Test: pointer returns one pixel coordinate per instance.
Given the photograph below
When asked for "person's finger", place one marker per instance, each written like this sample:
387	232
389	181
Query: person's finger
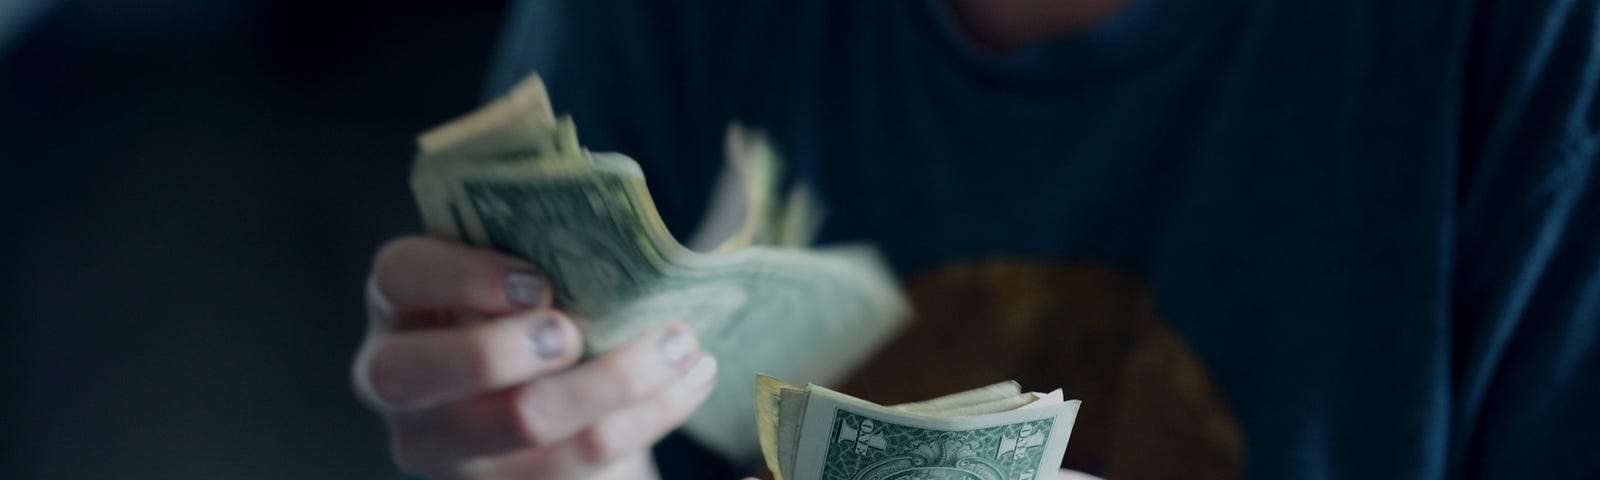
421	274
550	408
622	435
420	369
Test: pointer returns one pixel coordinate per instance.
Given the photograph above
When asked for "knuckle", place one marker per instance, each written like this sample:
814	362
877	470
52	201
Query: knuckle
394	251
529	421
390	258
598	445
387	386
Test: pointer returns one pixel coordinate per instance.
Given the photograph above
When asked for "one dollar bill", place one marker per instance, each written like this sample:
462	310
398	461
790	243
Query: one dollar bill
992	433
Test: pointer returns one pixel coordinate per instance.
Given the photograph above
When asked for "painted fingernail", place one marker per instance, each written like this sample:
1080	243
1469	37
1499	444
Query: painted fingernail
526	289
548	341
702	373
675	345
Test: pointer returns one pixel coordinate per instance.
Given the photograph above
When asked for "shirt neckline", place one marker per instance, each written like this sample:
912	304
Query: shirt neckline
1141	33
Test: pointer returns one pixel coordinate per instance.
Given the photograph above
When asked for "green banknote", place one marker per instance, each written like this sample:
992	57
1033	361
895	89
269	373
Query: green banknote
513	177
991	433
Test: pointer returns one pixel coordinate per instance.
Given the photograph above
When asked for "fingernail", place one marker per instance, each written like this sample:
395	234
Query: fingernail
548	341
526	289
675	345
702	373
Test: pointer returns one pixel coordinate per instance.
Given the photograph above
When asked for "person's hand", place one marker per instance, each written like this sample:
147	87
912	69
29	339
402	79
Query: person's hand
476	374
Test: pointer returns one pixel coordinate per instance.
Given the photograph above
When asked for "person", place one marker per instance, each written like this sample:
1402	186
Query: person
1351	239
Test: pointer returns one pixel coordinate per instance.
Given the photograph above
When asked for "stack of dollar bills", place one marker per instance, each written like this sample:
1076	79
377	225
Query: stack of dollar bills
995	432
512	176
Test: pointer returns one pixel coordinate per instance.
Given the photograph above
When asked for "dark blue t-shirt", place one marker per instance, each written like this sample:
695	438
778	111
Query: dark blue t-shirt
1373	224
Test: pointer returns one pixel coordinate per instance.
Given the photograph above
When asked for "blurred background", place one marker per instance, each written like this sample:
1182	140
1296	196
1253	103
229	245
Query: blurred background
195	189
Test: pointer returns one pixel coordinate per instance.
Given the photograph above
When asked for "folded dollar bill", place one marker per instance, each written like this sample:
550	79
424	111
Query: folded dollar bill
513	177
995	432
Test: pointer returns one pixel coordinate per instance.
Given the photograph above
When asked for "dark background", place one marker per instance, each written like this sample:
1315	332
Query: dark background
193	190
